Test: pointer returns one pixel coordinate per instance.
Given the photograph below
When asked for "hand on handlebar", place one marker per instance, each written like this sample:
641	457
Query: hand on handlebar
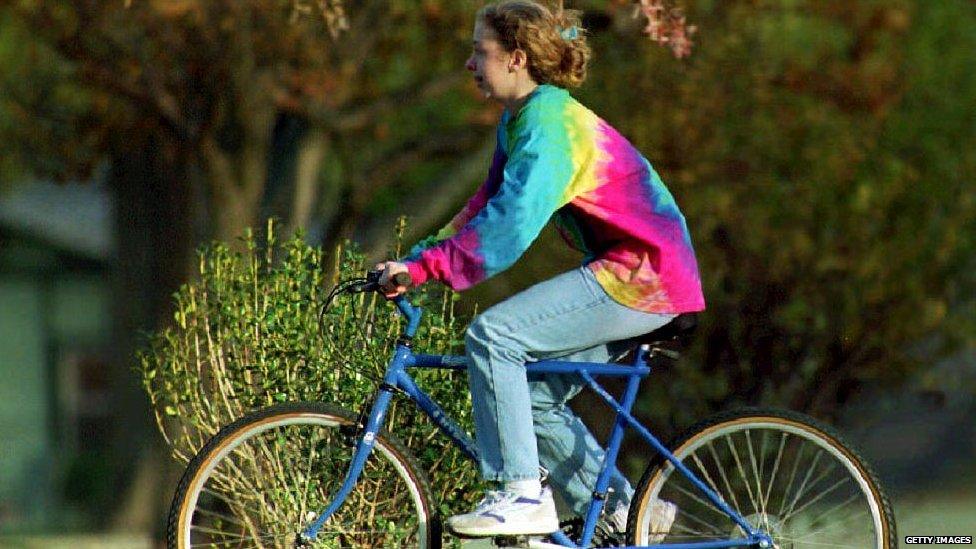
394	279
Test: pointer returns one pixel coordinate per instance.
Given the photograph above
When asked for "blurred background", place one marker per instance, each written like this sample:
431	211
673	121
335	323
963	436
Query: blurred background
823	152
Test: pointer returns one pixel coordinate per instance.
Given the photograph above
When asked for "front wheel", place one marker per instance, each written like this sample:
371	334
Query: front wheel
785	473
264	478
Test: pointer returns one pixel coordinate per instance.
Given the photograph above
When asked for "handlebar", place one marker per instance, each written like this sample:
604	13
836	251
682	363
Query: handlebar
371	283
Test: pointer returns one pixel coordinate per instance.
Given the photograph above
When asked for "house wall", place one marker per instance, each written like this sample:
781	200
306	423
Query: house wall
54	327
24	411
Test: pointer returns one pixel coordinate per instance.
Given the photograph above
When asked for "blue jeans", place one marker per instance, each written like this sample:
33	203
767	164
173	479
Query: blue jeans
522	421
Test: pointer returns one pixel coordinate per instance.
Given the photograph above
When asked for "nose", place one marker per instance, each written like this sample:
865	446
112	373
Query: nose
469	64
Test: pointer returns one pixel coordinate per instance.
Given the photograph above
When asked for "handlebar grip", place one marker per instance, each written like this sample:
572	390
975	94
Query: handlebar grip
402	279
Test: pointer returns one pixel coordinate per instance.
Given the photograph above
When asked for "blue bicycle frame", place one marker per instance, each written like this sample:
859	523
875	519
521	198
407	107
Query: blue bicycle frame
397	379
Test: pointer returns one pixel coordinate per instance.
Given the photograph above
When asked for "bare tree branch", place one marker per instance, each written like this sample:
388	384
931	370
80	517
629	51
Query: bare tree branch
387	168
427	206
360	117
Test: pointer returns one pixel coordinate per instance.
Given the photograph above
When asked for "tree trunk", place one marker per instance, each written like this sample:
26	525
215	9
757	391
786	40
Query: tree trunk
235	191
155	240
308	166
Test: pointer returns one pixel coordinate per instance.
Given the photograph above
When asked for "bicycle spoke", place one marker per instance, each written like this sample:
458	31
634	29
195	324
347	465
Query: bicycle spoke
762	465
779	458
742	472
725	478
824	544
833	524
308	473
803	484
708	477
300	478
234	538
698	520
220	516
702	501
229	502
237	481
761	508
816	499
840	506
246	523
688	533
789	485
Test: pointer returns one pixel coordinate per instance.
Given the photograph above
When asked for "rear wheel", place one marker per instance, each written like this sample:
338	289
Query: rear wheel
785	473
263	479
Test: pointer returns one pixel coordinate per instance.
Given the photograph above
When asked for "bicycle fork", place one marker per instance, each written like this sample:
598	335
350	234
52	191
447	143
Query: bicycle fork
364	446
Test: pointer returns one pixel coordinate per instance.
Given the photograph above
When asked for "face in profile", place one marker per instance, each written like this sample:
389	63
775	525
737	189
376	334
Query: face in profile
489	63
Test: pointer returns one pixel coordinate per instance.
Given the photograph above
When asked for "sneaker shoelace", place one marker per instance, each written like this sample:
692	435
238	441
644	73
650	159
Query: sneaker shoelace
491	497
499	501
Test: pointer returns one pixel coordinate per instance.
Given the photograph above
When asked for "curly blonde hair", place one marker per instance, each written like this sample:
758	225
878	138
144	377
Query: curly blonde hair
554	42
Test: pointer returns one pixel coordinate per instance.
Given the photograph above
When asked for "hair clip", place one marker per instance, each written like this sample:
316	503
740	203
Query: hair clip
572	33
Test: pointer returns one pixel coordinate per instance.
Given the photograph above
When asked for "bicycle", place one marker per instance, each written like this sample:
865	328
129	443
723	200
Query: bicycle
315	475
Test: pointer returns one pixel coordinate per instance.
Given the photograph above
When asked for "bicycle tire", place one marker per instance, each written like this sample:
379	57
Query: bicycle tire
757	479
264	477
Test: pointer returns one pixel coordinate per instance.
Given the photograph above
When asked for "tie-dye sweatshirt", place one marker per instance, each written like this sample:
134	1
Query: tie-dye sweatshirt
556	158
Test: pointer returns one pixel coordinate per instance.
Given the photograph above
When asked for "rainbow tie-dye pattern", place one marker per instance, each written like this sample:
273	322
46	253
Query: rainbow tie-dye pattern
558	159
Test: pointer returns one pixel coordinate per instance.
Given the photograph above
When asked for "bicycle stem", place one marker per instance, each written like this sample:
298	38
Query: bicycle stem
411	312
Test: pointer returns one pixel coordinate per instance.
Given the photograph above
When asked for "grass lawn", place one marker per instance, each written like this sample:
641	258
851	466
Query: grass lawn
949	513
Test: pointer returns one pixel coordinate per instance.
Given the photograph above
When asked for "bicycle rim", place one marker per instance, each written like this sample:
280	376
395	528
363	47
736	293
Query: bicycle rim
266	477
786	475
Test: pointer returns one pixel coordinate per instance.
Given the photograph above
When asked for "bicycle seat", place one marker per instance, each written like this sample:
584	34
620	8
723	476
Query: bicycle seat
671	337
679	331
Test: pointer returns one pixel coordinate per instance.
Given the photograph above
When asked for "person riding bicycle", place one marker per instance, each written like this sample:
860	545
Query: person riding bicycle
554	159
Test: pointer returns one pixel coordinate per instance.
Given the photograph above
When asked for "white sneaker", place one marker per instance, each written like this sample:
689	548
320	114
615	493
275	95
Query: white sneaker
662	517
618	519
503	513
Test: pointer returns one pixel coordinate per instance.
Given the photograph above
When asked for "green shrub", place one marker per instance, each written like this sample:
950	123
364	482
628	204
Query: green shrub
246	335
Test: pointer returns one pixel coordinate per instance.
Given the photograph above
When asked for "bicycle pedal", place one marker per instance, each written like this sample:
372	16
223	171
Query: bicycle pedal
508	542
524	542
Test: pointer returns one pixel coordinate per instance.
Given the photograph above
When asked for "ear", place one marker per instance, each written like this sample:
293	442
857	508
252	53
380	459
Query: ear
518	61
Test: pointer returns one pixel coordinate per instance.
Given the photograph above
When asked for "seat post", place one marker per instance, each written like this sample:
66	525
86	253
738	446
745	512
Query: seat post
626	406
641	355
